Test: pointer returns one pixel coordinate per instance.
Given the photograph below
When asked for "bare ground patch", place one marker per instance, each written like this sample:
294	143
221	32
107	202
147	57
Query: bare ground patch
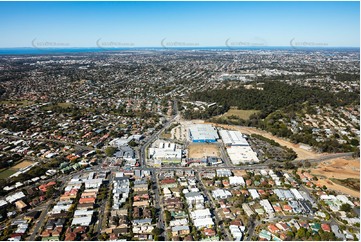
22	164
203	150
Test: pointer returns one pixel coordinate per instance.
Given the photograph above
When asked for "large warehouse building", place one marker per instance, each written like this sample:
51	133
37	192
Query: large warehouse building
203	133
165	153
238	148
233	138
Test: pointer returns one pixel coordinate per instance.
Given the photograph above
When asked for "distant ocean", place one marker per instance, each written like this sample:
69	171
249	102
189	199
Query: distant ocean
59	51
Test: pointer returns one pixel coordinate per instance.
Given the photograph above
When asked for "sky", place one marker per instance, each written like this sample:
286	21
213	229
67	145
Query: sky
178	24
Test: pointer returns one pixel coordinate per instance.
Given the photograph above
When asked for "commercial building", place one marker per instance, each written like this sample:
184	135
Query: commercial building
203	133
242	154
238	148
233	138
166	152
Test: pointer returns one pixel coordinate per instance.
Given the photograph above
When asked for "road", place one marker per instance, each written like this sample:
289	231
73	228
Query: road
250	227
41	221
151	139
328	157
159	206
224	154
214	208
49	140
102	207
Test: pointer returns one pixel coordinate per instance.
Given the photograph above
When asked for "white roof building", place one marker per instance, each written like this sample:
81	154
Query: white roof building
201	214
203	132
2	203
82	221
221	194
297	194
203	222
194	198
15	197
224	172
254	193
233	138
178	222
267	206
344	199
236	180
165	151
93	183
83	213
242	154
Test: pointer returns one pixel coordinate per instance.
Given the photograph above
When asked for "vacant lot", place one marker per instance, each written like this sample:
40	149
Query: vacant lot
22	164
243	114
203	150
349	182
336	187
339	169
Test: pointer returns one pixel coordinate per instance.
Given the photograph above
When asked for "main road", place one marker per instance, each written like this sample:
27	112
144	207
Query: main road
151	139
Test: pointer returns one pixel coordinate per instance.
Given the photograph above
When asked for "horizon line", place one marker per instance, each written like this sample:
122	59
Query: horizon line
175	47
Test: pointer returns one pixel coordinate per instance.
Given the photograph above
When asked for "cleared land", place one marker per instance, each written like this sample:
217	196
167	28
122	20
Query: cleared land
243	114
336	187
302	154
22	164
338	169
203	150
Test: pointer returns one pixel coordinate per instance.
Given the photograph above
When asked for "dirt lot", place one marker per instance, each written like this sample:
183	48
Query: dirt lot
301	153
202	150
336	187
339	169
22	164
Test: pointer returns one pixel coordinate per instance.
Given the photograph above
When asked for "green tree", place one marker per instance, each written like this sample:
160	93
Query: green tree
109	151
346	207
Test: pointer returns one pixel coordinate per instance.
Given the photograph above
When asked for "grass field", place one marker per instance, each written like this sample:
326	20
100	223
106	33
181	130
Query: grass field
65	105
6	173
243	114
61	105
202	150
17	102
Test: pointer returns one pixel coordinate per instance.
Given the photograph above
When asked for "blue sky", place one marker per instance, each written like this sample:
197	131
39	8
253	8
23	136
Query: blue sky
82	24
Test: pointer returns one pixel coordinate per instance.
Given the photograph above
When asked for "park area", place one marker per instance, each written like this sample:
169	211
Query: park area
5	173
200	150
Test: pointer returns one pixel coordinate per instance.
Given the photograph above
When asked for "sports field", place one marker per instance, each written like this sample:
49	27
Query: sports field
8	172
